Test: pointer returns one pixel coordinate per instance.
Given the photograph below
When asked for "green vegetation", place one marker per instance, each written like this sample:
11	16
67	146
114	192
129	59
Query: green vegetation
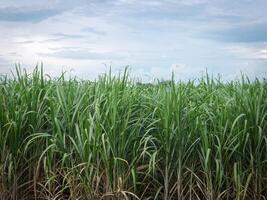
115	139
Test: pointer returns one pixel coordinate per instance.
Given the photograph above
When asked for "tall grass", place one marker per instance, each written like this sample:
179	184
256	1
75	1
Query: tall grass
116	139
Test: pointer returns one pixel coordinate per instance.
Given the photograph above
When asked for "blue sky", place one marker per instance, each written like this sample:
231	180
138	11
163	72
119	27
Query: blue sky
153	37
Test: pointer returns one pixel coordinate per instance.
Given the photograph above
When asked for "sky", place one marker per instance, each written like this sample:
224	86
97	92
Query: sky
155	38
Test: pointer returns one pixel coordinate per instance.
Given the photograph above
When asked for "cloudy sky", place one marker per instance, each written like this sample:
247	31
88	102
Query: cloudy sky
153	37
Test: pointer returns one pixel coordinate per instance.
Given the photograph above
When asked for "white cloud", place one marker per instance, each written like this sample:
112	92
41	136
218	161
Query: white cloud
263	54
153	37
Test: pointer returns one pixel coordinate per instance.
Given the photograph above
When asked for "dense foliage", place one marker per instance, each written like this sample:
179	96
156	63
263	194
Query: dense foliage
116	139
